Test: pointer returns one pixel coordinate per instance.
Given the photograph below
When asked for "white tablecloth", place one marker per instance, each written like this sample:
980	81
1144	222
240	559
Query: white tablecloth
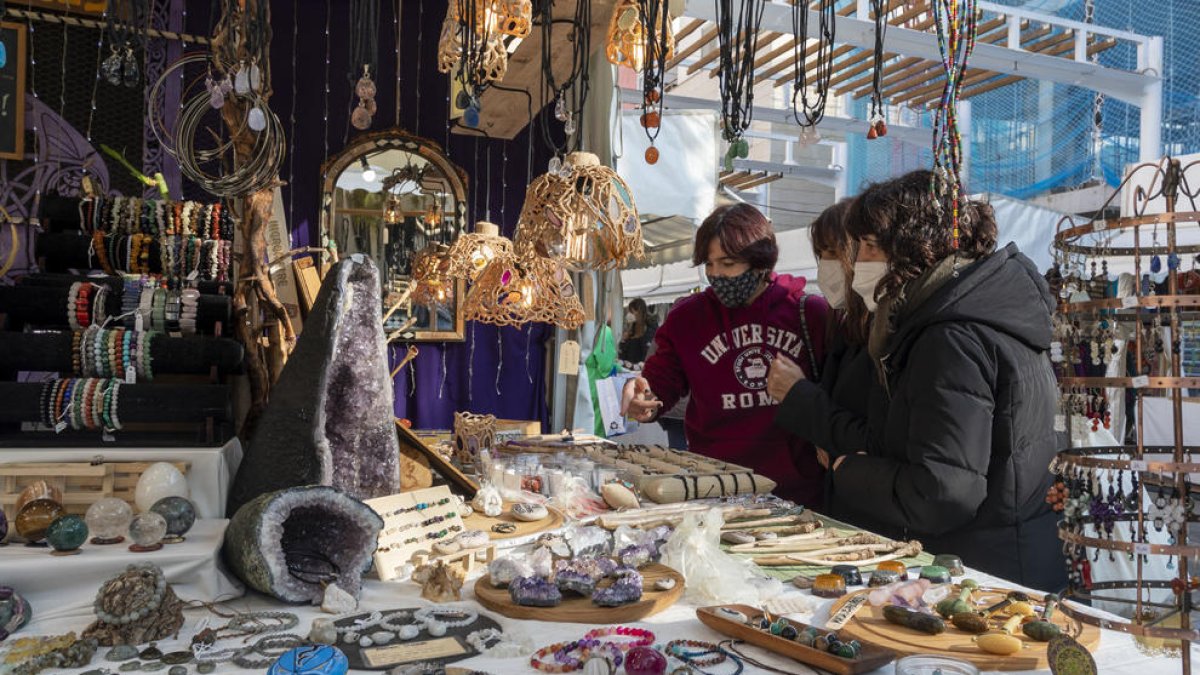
1116	654
61	589
209	476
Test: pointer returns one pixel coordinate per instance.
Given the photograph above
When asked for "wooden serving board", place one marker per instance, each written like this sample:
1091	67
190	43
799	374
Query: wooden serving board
870	658
478	521
868	625
577	609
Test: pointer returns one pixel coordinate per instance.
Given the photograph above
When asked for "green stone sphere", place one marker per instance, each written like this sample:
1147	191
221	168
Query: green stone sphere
179	513
67	533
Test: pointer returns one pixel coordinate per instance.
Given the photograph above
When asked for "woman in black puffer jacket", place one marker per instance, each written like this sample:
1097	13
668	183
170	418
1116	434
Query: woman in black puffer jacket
961	423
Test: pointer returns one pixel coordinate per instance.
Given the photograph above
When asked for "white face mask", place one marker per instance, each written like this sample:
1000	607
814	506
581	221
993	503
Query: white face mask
832	280
866	278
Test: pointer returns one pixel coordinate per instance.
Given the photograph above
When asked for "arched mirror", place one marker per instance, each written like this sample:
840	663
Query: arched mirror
390	195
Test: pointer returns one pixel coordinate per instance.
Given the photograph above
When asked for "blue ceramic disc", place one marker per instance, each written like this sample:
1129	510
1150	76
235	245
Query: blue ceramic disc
311	660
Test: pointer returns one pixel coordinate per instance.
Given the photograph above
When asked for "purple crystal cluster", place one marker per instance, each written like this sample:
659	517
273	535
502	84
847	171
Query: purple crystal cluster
534	592
579	583
625	590
636	555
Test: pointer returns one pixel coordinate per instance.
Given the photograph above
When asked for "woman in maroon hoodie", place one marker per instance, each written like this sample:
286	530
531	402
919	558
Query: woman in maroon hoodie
718	346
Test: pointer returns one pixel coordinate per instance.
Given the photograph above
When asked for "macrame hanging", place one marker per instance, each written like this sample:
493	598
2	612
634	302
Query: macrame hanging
514	290
582	216
807	111
878	127
364	59
738	23
957	24
471	253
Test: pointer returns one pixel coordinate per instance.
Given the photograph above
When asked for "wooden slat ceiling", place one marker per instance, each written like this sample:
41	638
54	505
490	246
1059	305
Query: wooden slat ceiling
906	80
745	180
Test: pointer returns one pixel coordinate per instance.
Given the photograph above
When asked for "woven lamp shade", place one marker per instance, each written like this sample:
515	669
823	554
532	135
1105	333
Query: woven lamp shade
626	43
514	290
471	253
431	283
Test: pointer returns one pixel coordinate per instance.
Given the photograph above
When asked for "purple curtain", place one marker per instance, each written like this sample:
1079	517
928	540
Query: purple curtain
498	371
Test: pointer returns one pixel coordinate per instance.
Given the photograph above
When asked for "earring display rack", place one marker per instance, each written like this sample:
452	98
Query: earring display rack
412	522
1130	499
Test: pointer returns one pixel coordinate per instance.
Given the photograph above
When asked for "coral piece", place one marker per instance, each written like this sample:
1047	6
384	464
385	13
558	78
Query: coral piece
488	500
502	571
330	419
290	543
534	592
440	582
575	582
15	612
135	607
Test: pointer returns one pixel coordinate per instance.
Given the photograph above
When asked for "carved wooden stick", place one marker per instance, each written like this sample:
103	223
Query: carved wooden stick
835	556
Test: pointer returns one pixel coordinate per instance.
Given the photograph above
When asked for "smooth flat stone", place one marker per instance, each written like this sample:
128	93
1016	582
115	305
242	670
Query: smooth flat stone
151	653
206	668
153	666
665	584
529	512
95	671
177	670
130	666
121	653
176	658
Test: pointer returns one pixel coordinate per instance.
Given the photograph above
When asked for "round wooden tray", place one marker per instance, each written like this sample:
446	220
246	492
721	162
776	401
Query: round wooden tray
868	625
478	521
576	609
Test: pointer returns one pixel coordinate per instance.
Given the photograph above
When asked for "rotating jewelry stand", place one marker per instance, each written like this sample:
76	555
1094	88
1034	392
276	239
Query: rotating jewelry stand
1093	504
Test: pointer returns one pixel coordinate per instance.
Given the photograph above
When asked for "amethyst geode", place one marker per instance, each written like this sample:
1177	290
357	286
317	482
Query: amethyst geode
625	590
330	420
570	581
289	544
635	555
534	592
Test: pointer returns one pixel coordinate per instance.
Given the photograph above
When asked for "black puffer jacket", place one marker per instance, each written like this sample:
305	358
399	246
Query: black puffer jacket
962	432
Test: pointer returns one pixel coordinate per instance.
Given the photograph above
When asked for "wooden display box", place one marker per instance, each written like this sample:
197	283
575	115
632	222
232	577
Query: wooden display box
524	427
81	483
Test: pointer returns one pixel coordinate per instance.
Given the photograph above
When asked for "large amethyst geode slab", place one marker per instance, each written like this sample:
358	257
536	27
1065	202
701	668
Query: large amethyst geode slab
330	420
534	592
290	543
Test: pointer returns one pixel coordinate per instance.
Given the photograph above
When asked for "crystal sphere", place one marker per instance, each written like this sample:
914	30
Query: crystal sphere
147	530
160	480
645	661
108	519
35	518
67	533
179	513
37	490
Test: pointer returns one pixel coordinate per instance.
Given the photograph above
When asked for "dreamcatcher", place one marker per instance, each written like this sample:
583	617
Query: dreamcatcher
809	112
737	33
957	24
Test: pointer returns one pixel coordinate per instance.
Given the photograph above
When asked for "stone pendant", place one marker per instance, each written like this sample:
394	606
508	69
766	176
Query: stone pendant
111	68
132	74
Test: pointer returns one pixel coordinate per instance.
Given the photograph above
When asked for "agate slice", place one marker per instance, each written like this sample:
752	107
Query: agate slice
330	420
291	543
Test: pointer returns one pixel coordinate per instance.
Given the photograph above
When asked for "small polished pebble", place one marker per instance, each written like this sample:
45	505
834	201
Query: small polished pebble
151	653
176	658
130	666
206	668
664	584
382	637
121	653
153	666
177	670
95	671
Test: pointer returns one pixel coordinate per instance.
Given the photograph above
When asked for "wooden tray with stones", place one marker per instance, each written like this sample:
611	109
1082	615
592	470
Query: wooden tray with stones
478	521
578	609
381	655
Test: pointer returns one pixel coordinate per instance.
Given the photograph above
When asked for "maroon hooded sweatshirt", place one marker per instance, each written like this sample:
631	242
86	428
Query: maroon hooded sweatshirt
721	356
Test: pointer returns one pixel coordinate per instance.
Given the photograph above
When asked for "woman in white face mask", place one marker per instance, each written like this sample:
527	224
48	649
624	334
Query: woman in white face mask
831	414
638	334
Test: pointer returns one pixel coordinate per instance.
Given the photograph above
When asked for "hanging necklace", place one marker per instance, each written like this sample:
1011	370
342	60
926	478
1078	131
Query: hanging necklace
738	37
569	95
878	125
956	22
364	56
810	113
656	29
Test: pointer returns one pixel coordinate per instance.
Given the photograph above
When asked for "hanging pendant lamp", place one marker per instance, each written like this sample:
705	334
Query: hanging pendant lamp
626	43
583	216
432	286
471	253
514	290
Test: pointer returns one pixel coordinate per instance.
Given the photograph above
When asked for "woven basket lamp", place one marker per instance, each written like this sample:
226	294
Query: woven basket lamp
493	20
432	285
515	290
471	253
626	45
583	215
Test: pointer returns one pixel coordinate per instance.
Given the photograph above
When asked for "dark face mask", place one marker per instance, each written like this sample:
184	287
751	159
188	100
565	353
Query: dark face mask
736	291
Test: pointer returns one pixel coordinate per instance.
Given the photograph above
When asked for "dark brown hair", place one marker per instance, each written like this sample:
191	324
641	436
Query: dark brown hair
828	233
744	233
913	228
638	305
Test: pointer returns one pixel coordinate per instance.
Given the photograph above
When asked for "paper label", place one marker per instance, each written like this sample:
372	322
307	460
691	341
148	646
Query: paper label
193	274
138	324
1099	226
107	437
1141	548
1141	381
131	376
568	358
60	427
1138	465
1129	301
407	652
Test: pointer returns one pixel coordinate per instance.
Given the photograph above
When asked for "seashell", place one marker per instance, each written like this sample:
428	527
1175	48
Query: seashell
665	584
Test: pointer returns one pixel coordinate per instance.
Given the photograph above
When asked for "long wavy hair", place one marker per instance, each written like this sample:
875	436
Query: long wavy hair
829	236
910	227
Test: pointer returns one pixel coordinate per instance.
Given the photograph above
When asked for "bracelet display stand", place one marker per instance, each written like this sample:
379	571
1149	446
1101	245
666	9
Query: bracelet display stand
46	306
406	527
51	352
1128	500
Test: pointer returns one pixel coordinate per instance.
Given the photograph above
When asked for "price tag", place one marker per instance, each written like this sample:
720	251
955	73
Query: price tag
1139	465
1129	301
138	323
1099	226
1141	548
60	427
193	274
131	376
568	358
1141	381
107	437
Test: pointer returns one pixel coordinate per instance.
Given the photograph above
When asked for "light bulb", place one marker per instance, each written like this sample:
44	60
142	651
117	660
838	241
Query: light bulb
369	175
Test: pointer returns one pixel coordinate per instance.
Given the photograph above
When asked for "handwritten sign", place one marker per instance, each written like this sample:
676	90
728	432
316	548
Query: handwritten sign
12	91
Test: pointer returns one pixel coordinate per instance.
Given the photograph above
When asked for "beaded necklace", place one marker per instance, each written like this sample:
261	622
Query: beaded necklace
957	25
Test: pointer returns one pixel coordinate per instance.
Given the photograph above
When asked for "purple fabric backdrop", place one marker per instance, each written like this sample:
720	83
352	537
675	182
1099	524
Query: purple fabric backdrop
495	371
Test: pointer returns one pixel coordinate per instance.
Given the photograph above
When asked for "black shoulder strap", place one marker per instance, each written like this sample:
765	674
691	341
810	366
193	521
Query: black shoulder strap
814	371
